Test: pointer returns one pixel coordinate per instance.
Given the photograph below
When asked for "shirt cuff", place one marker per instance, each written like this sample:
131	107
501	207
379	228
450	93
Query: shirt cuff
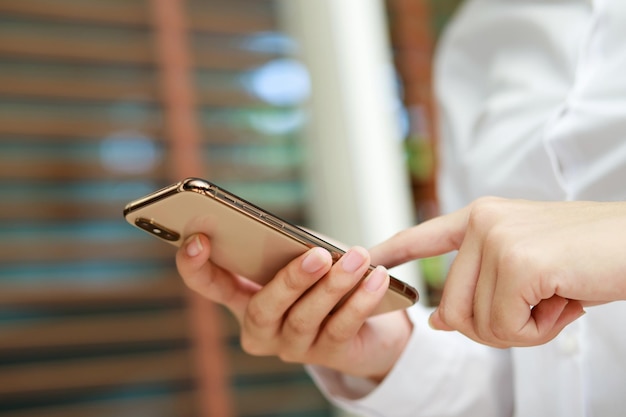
365	396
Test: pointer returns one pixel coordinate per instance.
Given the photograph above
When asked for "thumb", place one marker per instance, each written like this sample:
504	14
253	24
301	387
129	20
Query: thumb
550	316
435	322
211	281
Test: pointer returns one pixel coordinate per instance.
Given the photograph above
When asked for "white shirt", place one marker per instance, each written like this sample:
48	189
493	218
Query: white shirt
532	97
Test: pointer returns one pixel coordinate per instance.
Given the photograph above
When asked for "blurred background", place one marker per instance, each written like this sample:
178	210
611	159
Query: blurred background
102	102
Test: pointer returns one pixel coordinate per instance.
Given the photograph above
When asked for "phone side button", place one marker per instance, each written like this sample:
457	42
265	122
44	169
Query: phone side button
274	222
227	199
251	210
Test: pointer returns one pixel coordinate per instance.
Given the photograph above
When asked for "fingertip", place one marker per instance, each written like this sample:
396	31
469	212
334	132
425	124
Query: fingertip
436	322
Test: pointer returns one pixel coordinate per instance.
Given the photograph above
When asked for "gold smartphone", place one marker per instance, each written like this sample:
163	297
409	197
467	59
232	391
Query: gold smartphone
245	239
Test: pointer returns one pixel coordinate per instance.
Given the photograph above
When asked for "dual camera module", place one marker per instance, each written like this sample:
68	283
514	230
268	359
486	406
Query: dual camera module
157	230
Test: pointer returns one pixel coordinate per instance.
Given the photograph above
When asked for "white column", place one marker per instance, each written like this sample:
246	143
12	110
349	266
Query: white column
356	171
356	166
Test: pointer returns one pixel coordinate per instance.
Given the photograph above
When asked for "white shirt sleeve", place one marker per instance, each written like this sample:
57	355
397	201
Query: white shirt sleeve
472	380
586	137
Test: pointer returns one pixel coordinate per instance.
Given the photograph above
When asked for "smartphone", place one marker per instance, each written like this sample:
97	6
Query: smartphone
245	239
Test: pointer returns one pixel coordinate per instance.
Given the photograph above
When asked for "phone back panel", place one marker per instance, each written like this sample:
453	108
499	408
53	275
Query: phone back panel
239	242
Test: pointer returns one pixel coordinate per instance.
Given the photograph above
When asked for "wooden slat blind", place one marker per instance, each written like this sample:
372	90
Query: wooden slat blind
93	318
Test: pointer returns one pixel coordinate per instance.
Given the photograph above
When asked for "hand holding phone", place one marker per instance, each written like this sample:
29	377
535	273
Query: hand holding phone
245	239
286	311
289	317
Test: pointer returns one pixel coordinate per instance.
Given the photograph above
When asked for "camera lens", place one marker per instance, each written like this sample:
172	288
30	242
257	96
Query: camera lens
156	229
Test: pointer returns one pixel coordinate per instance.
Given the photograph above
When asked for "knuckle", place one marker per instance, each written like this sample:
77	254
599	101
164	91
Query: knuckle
338	287
496	331
484	333
521	264
299	325
450	317
293	281
516	256
336	334
257	316
490	202
498	326
501	332
358	311
483	211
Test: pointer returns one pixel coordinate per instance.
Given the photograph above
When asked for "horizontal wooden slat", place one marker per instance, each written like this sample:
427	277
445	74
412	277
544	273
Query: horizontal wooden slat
230	327
19	210
25	380
288	399
233	17
161	287
111	12
241	364
98	90
226	98
34	128
36	125
66	249
229	60
49	169
133	50
48	125
54	121
223	17
85	169
88	331
180	404
69	87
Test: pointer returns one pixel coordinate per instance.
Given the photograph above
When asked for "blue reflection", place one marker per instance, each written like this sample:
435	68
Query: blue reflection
281	82
129	152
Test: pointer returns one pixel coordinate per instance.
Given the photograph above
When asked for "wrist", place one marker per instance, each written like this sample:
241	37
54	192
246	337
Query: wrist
394	343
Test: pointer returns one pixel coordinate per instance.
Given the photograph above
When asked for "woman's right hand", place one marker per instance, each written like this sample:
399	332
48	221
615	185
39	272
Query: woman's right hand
290	316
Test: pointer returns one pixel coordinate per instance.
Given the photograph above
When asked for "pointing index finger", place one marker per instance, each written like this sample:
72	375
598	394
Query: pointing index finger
433	237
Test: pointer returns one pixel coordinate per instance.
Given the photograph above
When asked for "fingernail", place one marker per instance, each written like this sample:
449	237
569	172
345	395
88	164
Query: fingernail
375	279
194	247
314	260
352	260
